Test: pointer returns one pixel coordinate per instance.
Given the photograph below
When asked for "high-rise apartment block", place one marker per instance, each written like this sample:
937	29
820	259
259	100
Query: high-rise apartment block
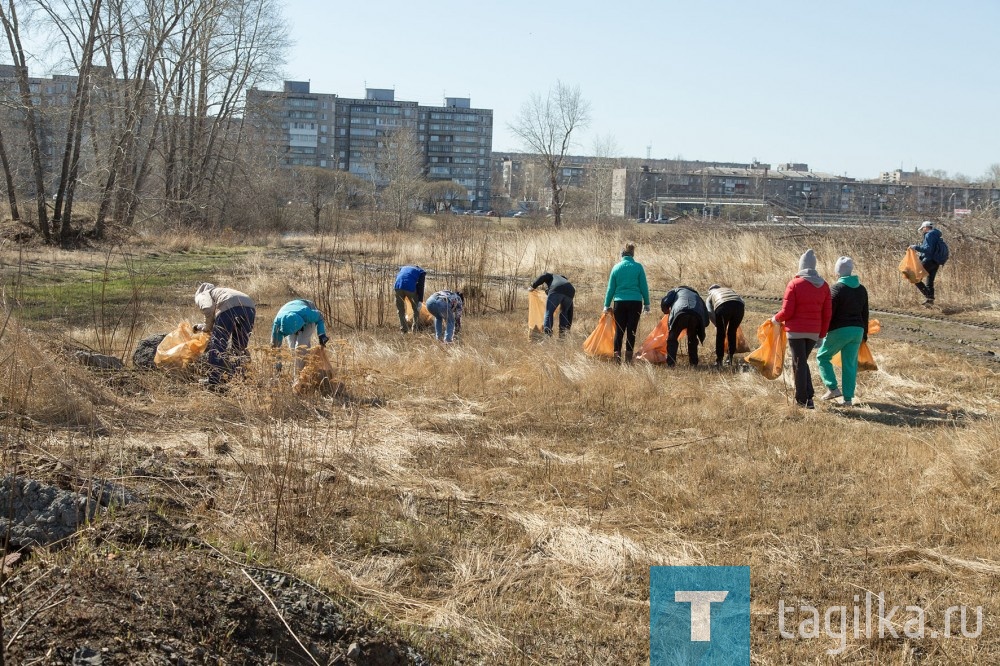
325	130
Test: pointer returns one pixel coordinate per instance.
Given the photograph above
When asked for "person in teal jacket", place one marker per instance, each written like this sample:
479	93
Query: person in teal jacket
629	294
298	320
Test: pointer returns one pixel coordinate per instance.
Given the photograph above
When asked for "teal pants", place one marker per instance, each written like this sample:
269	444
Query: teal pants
847	341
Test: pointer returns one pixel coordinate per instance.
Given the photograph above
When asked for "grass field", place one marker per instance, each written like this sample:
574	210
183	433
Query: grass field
500	501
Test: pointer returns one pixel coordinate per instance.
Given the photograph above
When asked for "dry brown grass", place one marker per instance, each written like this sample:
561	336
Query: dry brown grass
503	499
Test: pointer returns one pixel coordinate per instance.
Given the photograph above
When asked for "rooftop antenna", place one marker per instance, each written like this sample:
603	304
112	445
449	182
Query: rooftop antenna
649	151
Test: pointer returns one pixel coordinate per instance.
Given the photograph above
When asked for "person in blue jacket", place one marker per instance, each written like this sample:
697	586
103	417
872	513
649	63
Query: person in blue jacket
297	321
933	253
627	298
409	286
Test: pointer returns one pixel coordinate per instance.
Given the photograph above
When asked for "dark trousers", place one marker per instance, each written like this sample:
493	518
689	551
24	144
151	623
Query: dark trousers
801	348
626	321
401	296
684	321
728	317
928	289
565	315
234	324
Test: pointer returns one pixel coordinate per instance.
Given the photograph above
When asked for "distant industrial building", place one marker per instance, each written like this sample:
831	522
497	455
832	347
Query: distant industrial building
324	130
658	193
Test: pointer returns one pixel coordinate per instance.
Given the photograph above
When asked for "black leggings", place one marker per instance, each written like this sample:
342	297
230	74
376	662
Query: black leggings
626	321
728	317
801	348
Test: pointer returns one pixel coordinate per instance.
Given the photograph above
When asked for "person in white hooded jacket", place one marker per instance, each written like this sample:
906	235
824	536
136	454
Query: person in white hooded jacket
229	317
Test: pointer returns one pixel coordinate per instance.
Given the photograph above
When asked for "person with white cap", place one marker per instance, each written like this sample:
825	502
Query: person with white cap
848	329
229	317
805	313
933	253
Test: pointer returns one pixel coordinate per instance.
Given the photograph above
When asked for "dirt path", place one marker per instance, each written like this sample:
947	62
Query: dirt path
969	333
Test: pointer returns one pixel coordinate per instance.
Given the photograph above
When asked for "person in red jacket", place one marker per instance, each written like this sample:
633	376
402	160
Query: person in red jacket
805	313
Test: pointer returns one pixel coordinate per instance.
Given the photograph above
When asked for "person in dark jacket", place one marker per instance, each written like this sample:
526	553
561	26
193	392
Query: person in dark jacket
229	319
560	293
805	314
929	251
848	329
725	310
687	313
409	286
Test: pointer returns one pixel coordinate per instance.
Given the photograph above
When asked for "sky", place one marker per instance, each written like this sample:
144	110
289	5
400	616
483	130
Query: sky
851	87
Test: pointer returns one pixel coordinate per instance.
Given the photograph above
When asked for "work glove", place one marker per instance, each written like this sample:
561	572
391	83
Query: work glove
645	309
323	340
608	309
531	288
775	321
199	328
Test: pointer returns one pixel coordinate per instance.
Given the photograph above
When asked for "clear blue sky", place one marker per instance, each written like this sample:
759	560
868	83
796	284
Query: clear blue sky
853	86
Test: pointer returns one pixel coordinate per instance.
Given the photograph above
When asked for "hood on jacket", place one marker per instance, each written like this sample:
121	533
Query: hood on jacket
807	269
850	281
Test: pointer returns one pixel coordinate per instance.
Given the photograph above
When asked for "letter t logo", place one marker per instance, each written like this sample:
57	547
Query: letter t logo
701	610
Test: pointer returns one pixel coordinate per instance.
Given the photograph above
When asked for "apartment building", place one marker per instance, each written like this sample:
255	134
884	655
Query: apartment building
303	128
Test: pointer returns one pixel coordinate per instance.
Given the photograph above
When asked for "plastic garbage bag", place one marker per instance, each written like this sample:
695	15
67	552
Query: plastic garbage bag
180	347
654	347
602	341
536	311
769	358
866	362
911	267
426	318
316	375
742	346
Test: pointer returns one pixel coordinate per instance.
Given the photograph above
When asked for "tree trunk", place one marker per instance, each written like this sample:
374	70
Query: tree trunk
12	29
9	180
556	204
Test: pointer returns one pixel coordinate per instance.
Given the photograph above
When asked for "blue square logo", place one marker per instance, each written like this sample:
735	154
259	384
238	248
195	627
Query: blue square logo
699	616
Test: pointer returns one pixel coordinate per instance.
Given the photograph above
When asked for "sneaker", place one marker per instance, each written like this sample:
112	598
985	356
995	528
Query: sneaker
929	302
848	402
831	394
809	404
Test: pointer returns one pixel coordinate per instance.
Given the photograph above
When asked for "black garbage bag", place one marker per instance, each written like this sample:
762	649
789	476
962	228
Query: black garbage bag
142	357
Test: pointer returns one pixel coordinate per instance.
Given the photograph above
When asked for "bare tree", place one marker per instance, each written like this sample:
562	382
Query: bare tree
399	170
546	125
605	150
445	193
325	187
12	30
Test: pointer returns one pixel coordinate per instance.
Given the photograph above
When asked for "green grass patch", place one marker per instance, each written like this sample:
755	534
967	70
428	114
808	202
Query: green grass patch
110	287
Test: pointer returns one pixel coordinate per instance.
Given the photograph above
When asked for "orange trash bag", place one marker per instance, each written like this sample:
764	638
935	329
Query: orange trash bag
602	341
911	268
536	311
426	318
769	358
316	375
181	347
654	347
866	362
742	346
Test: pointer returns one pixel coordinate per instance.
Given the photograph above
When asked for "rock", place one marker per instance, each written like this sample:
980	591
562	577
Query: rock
354	651
87	657
99	361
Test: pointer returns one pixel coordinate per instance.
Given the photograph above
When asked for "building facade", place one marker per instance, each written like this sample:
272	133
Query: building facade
646	193
303	128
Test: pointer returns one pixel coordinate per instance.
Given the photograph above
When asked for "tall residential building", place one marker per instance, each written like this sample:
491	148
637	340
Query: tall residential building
324	130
